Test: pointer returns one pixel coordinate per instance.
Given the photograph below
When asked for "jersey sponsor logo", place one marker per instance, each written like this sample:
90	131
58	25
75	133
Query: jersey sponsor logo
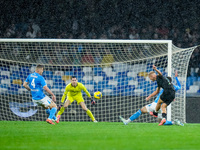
34	76
34	90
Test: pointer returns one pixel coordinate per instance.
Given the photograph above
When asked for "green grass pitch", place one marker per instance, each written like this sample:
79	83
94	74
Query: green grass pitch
97	136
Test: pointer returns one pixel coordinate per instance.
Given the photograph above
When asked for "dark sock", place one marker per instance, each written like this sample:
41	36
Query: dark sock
155	113
164	115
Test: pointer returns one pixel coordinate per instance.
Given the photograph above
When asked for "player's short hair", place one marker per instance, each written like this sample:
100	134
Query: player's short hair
151	72
39	67
73	77
170	79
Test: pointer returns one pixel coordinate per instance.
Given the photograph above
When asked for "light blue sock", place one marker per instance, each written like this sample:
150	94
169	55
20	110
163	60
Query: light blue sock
54	117
48	112
136	115
168	123
52	113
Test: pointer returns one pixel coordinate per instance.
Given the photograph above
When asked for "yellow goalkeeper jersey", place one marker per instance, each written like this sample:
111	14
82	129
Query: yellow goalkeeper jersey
73	91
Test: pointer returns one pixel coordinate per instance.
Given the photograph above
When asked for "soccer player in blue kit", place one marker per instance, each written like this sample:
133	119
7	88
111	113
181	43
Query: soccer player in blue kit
149	108
35	83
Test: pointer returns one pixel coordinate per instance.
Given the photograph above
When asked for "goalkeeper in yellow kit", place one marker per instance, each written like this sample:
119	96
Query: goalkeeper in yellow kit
73	92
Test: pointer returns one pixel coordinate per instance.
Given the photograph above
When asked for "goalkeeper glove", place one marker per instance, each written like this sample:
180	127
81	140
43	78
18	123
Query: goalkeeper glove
59	107
92	101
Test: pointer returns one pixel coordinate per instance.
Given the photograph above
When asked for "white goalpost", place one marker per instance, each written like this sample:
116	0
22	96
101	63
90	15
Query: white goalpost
169	74
117	68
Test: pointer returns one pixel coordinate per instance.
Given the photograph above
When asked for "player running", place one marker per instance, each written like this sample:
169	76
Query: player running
151	107
36	83
73	92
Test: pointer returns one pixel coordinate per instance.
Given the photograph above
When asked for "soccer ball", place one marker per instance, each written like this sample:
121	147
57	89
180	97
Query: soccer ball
97	95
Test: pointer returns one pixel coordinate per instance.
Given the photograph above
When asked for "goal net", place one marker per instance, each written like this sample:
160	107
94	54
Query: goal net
117	68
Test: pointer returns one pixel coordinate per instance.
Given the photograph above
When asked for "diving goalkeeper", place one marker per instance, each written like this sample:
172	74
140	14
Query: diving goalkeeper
73	92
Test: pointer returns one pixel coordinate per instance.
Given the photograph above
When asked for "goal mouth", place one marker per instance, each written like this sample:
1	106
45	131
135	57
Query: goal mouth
117	68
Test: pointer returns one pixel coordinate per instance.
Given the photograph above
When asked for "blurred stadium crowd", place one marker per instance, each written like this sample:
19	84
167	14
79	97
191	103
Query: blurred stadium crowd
103	19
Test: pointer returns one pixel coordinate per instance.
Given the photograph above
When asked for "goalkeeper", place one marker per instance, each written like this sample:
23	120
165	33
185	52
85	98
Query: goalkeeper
73	92
150	107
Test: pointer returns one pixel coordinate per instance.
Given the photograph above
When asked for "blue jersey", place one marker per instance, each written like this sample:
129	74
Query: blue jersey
177	87
36	84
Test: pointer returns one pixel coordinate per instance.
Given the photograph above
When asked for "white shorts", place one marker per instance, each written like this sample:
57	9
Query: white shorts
46	101
152	107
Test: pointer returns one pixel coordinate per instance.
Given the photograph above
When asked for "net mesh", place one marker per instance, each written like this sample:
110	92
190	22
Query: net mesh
116	68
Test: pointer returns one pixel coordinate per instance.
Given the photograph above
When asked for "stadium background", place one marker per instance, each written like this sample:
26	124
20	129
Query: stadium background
115	19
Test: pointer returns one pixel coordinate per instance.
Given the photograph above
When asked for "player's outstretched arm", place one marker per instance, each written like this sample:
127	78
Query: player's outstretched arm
177	81
153	94
155	68
25	84
64	94
51	93
92	101
178	87
86	91
88	94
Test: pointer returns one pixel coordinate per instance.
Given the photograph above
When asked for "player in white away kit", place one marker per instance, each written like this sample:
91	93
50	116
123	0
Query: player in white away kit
151	107
36	83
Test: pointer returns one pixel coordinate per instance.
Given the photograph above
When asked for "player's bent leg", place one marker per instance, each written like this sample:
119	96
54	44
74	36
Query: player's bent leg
47	103
144	110
89	113
45	107
136	115
157	108
48	112
53	110
163	107
158	105
62	109
164	114
67	103
52	104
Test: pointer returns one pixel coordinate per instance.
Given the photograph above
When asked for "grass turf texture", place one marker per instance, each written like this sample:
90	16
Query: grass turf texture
97	136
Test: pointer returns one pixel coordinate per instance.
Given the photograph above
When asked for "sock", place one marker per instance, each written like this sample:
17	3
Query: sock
62	109
164	115
155	113
54	117
136	115
89	113
168	123
48	112
52	112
